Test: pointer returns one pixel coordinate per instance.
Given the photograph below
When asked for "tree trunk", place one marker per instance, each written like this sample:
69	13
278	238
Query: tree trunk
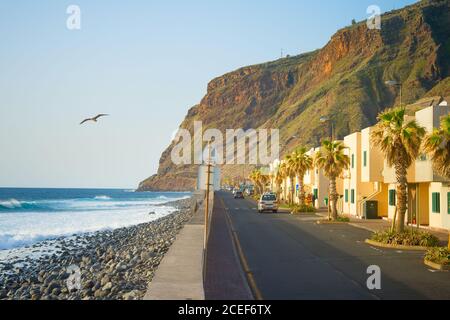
301	192
278	186
402	195
333	198
292	190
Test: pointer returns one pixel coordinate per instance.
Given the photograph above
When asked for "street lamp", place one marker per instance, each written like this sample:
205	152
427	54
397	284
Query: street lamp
326	119
394	83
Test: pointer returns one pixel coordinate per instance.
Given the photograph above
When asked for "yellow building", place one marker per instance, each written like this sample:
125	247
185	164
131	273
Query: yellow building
363	181
427	192
317	184
314	181
370	183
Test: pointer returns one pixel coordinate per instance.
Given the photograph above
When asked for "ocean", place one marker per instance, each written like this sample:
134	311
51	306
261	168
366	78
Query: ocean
28	216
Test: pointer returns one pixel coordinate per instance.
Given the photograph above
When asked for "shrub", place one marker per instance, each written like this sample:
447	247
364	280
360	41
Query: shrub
342	219
410	237
302	209
339	219
438	255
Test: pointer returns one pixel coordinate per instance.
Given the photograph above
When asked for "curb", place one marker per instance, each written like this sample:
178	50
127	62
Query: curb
437	266
330	222
395	246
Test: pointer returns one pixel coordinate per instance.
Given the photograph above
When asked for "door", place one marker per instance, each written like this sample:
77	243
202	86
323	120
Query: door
412	203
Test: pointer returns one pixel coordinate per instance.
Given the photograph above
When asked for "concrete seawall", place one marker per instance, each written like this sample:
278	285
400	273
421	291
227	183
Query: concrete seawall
180	274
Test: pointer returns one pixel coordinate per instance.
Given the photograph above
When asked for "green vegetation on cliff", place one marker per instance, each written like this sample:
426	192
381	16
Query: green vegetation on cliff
344	80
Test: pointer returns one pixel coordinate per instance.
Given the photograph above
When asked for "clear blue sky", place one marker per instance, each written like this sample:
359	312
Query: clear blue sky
145	63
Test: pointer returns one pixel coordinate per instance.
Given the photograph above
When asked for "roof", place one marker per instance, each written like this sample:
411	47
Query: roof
423	103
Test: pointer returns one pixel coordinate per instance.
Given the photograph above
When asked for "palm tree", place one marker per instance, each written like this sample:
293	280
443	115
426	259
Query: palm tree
437	145
301	162
264	179
332	160
290	173
255	177
400	142
279	177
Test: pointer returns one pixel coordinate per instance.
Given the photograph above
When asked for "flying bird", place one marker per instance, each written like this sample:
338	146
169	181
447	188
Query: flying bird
94	119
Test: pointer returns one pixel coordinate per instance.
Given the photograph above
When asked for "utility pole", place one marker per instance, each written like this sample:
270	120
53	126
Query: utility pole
208	184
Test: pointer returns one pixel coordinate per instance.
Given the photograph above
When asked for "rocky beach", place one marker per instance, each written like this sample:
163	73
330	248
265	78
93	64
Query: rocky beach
115	264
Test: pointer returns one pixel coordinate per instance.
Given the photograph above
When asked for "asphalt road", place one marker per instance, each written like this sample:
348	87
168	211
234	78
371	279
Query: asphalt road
291	257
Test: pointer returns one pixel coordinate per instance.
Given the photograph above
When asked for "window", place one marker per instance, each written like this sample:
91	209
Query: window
269	197
365	158
436	202
316	193
353	196
392	197
353	161
346	195
448	202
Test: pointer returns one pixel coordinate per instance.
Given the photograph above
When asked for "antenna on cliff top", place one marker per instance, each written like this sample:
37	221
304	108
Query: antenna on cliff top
281	53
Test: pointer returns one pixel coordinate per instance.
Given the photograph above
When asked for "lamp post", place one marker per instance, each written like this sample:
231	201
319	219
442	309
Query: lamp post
394	83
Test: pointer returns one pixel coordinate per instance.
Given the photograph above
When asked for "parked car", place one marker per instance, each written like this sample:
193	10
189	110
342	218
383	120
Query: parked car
268	202
239	195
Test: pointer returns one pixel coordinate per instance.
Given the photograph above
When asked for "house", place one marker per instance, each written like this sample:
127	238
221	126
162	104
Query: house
370	182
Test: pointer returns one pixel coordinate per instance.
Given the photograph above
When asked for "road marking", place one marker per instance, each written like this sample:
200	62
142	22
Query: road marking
250	278
376	249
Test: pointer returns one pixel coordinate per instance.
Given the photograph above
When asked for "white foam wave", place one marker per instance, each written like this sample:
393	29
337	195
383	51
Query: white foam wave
10	204
22	229
102	198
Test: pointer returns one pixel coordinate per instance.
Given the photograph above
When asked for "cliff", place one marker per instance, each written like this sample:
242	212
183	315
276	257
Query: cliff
344	80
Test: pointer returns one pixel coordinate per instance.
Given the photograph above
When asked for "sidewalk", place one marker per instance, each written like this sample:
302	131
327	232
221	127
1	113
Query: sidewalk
381	224
180	276
224	278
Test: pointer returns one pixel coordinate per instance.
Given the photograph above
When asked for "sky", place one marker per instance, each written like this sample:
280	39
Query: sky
143	62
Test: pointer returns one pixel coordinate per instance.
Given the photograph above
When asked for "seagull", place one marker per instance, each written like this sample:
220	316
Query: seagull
94	119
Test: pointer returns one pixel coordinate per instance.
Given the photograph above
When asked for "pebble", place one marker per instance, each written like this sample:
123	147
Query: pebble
114	264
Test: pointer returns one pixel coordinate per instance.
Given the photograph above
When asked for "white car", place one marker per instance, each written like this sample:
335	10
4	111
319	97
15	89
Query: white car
268	202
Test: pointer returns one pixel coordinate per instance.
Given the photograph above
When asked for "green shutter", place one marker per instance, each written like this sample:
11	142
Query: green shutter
353	195
353	161
316	193
436	202
448	203
346	195
365	158
392	200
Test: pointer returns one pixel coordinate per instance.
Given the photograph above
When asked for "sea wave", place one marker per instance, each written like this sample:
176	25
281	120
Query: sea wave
22	229
16	205
102	198
10	204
